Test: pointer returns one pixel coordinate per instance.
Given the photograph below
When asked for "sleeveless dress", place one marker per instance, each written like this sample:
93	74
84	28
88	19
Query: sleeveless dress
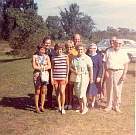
40	60
59	70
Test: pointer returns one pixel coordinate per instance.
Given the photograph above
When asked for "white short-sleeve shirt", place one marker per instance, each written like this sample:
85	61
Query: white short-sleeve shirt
116	59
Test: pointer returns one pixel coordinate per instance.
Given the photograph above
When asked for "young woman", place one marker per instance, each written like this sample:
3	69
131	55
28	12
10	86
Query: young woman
95	88
81	74
60	70
40	62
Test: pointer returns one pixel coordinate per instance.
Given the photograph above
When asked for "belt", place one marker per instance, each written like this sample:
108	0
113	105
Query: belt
114	69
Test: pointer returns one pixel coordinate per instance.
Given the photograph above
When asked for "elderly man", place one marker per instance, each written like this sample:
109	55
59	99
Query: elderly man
76	39
111	44
116	65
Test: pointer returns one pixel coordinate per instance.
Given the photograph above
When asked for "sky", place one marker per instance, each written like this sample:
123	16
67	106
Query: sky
114	13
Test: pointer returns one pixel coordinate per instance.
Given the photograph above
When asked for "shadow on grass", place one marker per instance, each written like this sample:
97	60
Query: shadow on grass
24	103
11	60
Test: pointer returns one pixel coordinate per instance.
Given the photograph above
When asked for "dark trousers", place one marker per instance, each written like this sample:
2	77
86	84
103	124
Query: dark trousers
49	94
49	91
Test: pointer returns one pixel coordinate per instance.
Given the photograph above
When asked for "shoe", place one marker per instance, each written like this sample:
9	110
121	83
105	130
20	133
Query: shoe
77	110
42	110
107	109
37	110
85	111
63	111
118	110
58	110
66	107
69	107
92	105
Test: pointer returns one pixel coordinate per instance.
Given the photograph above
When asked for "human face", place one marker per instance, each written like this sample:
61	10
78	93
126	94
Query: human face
59	51
47	43
117	45
77	39
80	50
113	41
69	48
92	49
42	50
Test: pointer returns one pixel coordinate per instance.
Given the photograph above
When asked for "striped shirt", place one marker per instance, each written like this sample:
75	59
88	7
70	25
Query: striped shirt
59	70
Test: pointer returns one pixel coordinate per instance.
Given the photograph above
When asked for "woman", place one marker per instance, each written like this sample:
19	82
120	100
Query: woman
81	74
60	70
95	88
69	88
40	62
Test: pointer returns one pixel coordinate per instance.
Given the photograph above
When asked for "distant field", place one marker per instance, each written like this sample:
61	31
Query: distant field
17	115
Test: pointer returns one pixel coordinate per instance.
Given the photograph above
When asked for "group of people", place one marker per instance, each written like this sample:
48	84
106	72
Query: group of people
73	67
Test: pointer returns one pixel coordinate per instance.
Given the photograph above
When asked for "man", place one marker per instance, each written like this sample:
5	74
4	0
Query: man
111	44
50	52
116	65
112	41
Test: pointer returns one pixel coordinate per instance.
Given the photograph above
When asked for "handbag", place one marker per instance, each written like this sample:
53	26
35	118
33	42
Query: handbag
44	76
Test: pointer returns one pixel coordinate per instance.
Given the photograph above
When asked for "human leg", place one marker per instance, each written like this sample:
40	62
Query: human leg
109	89
93	101
57	90
43	89
62	94
37	94
70	96
49	91
49	94
66	96
117	90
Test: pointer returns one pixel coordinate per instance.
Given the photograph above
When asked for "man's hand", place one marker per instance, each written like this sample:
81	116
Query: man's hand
123	77
98	79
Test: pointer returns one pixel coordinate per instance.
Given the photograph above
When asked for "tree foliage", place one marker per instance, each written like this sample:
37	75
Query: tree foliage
29	31
9	23
54	26
74	21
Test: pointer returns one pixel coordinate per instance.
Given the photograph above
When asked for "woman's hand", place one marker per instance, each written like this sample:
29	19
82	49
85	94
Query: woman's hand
106	74
66	80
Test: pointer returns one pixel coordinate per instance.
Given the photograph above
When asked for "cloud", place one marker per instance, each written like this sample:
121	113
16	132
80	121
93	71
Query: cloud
103	12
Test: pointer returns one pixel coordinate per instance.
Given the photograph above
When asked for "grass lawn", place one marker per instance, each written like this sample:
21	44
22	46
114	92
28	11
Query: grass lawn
17	116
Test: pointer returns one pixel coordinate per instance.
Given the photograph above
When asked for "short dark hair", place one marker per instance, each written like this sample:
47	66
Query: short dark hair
40	46
46	38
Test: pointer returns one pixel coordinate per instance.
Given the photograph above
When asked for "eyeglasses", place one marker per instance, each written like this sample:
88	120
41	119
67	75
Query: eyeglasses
69	47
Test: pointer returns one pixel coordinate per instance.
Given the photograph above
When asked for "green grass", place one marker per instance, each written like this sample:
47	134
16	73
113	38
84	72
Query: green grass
17	116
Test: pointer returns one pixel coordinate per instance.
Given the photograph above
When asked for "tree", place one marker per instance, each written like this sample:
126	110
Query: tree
74	21
9	23
29	31
54	26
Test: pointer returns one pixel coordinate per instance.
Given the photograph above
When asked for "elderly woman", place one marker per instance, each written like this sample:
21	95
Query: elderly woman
81	74
95	88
